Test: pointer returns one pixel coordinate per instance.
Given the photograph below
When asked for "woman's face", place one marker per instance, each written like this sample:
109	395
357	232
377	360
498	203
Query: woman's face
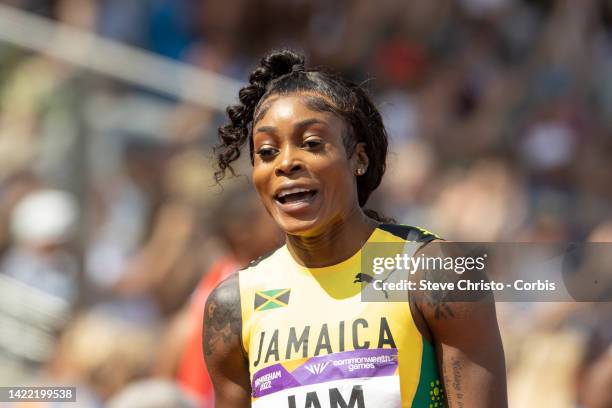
301	169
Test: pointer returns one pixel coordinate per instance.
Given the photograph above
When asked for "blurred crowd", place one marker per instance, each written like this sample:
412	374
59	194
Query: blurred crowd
112	231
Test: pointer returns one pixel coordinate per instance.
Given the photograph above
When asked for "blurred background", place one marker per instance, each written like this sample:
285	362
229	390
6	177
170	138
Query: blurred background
112	231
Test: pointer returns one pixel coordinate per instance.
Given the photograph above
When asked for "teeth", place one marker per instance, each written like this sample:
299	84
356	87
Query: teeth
292	191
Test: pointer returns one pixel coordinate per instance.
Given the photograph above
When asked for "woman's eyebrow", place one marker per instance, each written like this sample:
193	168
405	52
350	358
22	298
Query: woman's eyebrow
307	122
266	129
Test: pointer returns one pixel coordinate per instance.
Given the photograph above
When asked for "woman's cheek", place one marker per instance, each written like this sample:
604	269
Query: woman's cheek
261	185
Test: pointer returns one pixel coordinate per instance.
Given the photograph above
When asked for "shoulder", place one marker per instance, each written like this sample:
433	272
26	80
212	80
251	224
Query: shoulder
409	233
264	265
225	292
222	315
223	303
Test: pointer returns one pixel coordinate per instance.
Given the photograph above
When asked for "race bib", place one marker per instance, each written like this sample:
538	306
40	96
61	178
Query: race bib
350	379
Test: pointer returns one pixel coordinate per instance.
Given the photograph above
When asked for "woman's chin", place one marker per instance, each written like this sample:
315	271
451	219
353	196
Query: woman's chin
299	227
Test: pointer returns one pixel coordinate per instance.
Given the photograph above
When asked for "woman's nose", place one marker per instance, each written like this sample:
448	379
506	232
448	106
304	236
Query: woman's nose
288	163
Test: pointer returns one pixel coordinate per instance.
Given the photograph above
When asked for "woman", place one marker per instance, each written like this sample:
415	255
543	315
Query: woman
291	329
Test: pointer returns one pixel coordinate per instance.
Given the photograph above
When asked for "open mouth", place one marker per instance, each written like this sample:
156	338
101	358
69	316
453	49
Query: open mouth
295	195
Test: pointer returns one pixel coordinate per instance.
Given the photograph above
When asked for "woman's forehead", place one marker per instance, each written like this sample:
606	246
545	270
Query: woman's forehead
312	101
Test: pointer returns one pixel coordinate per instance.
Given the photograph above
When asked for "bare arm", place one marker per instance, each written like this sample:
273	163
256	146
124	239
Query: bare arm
225	359
468	345
471	356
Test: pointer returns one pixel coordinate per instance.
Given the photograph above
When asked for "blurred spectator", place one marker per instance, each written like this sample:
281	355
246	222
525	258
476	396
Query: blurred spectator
594	377
171	26
43	225
594	374
90	354
151	394
490	199
124	214
38	280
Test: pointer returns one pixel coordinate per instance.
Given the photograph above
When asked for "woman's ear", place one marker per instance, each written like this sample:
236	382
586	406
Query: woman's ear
360	159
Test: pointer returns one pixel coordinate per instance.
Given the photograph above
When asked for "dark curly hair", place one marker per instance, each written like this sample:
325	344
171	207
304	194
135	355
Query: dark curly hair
283	72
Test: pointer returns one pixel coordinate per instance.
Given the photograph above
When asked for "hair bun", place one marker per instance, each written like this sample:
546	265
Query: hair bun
276	64
298	68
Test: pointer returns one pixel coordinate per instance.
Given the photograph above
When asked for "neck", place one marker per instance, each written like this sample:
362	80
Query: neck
341	239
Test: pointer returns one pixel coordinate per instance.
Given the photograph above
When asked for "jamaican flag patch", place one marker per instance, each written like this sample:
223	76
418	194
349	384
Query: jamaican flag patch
271	299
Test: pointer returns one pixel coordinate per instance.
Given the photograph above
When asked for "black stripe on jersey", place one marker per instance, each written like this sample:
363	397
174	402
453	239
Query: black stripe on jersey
411	234
261	258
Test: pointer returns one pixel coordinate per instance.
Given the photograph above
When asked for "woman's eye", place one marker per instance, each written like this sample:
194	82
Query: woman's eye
266	152
312	143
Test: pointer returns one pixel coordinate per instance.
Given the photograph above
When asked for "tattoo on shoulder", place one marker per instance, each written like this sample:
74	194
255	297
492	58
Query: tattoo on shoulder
441	308
444	300
222	316
439	301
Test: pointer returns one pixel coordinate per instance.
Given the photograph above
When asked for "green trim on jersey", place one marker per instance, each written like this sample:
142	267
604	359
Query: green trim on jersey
430	392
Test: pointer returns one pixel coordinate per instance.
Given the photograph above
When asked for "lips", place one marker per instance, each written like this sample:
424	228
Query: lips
295	199
295	195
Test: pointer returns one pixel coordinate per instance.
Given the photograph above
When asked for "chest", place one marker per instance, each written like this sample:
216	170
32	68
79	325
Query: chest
294	325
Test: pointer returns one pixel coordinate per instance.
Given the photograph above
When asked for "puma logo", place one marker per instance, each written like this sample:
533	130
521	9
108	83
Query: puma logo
363	278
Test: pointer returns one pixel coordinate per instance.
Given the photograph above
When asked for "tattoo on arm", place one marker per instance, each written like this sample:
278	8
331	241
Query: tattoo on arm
454	381
222	316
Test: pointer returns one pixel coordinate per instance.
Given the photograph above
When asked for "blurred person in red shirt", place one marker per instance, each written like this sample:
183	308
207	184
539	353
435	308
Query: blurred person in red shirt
245	233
